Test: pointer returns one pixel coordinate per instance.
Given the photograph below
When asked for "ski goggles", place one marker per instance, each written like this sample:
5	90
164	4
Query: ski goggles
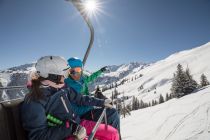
75	71
55	78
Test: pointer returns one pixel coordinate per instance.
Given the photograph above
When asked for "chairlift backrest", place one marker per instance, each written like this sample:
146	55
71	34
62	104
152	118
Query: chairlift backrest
10	122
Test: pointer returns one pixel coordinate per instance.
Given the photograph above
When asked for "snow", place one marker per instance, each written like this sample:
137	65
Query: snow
4	79
157	77
187	118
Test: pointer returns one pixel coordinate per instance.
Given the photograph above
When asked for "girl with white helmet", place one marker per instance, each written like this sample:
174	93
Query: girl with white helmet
46	112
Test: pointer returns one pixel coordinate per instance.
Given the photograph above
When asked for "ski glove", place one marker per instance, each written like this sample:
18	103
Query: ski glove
107	103
104	69
80	132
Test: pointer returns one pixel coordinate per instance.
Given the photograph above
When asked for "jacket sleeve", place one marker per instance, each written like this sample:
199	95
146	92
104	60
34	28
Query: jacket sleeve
92	77
35	123
81	99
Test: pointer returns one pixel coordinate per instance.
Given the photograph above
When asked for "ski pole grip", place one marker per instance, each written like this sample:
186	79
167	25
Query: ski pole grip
54	119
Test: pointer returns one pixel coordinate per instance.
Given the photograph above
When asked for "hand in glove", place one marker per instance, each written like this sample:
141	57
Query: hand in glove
80	132
107	103
104	69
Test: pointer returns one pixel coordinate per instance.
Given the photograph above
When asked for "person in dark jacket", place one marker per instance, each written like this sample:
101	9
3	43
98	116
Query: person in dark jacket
46	112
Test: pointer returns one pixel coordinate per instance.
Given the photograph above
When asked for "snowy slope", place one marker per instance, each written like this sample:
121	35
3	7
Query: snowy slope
157	77
117	73
187	118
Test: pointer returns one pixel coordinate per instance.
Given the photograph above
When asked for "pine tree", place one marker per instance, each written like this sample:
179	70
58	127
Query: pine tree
115	85
112	96
141	87
129	107
110	86
204	82
167	97
119	107
141	104
125	109
115	93
178	82
146	105
133	103
190	84
171	96
138	103
161	99
153	102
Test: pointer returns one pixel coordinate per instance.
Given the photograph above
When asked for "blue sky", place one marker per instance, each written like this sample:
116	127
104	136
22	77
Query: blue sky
131	30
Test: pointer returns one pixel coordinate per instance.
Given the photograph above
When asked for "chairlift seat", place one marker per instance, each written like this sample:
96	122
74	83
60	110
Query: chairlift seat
10	122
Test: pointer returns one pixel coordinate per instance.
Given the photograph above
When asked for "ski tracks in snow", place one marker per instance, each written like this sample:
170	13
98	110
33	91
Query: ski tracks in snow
188	116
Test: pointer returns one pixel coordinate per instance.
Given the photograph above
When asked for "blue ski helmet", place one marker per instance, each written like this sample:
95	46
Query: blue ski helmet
74	62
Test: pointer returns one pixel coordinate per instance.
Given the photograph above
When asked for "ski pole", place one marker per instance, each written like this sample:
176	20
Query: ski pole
97	125
105	119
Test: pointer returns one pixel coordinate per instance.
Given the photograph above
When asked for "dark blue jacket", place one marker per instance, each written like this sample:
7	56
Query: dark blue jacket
33	113
81	86
78	86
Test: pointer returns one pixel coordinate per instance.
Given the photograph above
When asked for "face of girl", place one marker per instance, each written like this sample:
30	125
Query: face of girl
75	73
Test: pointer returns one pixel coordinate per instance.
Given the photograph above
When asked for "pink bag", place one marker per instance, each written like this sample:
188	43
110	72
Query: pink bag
103	132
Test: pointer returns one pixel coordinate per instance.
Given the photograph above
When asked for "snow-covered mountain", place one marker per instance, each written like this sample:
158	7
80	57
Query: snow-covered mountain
186	118
157	78
17	76
6	75
117	73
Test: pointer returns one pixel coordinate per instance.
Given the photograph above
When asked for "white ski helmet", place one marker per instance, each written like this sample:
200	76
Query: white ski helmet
51	65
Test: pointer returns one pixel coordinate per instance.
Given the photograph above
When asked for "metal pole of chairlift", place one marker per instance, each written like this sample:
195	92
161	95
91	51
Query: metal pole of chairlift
13	87
80	7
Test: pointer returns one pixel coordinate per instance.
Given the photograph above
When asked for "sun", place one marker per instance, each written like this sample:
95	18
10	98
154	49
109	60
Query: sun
92	7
